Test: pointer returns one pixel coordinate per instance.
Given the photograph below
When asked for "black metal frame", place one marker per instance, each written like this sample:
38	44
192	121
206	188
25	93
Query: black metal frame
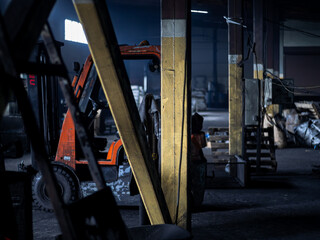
15	48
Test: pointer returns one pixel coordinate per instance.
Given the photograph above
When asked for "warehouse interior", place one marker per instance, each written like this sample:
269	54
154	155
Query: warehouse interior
148	119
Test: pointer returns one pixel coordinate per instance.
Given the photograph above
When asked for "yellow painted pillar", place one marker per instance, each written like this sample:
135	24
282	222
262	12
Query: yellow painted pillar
270	37
272	64
276	43
258	68
175	107
103	45
235	33
281	54
258	39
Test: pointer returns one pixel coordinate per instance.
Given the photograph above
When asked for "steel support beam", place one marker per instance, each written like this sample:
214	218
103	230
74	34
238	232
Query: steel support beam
103	45
16	12
175	107
258	67
276	49
272	55
9	73
276	52
281	54
258	39
276	43
24	21
270	36
10	60
236	105
269	55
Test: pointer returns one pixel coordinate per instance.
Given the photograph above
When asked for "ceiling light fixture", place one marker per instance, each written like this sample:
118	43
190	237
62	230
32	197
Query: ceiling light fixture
199	11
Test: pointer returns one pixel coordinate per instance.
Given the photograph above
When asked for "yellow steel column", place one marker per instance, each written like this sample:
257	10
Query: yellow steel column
258	39
270	37
175	107
258	68
235	79
271	56
281	53
276	43
104	48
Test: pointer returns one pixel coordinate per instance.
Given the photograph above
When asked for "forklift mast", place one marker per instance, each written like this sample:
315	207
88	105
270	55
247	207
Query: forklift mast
45	95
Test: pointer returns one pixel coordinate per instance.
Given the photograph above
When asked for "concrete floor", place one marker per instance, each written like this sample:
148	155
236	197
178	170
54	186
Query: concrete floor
284	205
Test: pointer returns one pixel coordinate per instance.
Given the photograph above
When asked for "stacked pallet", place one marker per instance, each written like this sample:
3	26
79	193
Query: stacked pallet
267	154
311	107
219	141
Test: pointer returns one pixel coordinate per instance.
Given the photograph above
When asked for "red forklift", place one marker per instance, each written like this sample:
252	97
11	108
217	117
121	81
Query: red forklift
69	164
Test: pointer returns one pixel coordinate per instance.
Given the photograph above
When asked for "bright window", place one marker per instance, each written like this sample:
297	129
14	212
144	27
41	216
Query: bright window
73	31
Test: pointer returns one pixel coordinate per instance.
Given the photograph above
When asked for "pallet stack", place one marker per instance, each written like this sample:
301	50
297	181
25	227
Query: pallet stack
219	140
267	156
312	107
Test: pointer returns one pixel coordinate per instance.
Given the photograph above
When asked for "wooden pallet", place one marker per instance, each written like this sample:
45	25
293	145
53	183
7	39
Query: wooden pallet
311	107
219	139
267	155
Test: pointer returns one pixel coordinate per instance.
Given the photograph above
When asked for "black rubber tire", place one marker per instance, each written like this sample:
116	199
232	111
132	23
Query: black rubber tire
68	186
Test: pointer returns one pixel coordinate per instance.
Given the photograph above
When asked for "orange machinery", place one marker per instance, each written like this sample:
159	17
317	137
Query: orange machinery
85	85
69	165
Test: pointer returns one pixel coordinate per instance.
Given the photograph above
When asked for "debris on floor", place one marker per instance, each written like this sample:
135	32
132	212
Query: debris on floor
308	133
297	126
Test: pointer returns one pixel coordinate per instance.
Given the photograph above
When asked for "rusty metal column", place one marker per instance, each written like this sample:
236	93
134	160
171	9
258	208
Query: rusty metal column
235	34
175	107
258	39
276	42
258	66
269	57
272	56
270	36
281	54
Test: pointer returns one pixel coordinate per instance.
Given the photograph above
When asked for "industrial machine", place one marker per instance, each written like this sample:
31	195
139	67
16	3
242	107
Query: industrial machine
69	164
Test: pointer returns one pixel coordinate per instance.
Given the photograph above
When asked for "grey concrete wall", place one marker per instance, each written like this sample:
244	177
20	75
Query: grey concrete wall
293	38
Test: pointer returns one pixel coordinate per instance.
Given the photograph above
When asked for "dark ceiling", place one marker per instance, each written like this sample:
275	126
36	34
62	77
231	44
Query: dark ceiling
308	10
297	9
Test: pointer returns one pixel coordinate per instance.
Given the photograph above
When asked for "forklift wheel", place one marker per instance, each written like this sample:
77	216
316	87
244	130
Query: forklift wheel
68	188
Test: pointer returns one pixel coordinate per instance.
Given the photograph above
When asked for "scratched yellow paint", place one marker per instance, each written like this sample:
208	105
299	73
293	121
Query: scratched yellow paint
235	108
112	89
173	123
